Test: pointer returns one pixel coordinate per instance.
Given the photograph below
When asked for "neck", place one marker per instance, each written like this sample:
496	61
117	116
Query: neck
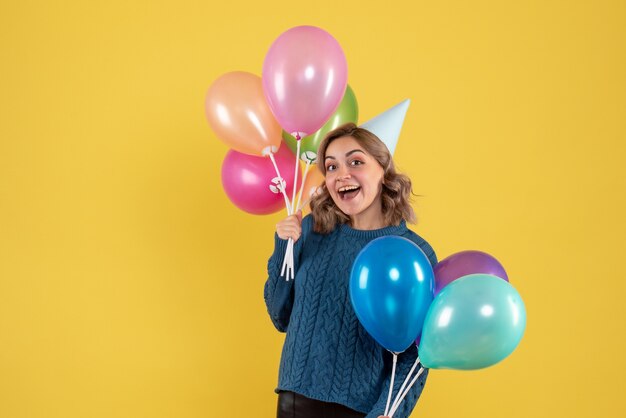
370	219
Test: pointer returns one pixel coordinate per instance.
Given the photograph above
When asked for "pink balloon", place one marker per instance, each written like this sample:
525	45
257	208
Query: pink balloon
304	78
247	178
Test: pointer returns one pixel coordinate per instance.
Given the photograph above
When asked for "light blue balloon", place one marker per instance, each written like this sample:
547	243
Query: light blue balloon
474	322
391	288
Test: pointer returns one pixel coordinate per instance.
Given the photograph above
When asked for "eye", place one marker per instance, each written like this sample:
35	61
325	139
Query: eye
356	162
330	167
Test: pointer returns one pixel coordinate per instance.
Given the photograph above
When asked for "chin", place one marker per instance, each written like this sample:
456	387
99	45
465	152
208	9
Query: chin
347	210
350	211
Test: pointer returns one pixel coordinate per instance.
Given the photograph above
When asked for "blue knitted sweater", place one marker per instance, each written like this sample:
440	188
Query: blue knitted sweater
327	354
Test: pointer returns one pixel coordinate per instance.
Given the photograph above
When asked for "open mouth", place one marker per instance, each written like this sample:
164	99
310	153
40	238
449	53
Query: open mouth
348	192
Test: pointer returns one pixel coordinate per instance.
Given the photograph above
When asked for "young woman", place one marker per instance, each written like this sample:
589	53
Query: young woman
330	366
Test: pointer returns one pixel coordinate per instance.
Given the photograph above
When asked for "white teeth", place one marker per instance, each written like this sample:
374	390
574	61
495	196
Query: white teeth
347	188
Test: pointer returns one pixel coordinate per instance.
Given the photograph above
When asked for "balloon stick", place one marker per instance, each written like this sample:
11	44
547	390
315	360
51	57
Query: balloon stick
282	183
406	380
306	170
393	374
295	174
288	260
393	410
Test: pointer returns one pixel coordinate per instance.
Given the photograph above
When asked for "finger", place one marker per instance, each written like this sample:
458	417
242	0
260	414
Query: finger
287	226
294	233
288	231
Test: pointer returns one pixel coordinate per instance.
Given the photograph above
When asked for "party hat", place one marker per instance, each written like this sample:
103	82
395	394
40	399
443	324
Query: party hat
388	124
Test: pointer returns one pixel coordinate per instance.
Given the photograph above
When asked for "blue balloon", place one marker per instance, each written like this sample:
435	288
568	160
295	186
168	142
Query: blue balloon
474	322
391	288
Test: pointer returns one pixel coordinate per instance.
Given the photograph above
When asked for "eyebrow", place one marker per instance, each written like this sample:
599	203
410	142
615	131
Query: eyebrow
349	153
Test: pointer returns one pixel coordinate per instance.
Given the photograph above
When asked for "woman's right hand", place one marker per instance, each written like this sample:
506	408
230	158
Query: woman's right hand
290	227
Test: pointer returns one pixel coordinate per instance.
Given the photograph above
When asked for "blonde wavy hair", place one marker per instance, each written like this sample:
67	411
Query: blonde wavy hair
396	188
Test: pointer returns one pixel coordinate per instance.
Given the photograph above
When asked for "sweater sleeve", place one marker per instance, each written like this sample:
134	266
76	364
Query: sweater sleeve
278	292
403	366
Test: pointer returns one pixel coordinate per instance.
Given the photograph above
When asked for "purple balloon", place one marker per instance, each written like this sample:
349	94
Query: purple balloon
247	179
463	263
305	73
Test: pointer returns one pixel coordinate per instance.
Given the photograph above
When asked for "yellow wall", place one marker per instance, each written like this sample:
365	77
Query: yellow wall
131	287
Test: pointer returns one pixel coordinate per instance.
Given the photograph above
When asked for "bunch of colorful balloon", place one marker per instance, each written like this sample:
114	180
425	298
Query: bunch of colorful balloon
462	315
303	89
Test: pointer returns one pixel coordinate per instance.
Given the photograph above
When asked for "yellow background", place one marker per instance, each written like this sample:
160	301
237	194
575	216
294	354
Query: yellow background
131	287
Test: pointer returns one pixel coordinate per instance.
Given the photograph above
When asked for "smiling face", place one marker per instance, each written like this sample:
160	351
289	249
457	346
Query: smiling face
354	179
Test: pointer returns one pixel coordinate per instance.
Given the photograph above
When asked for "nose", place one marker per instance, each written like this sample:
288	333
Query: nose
343	174
343	177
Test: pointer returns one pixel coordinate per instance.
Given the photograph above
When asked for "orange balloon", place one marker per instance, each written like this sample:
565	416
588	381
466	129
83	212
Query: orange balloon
238	113
314	179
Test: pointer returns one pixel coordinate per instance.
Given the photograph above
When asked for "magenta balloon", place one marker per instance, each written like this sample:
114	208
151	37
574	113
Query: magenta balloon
463	263
246	180
304	78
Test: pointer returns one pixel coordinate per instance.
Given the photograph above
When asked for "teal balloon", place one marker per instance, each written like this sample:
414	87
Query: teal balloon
474	322
348	111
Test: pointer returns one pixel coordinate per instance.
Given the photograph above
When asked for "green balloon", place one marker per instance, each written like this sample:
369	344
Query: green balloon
348	111
474	322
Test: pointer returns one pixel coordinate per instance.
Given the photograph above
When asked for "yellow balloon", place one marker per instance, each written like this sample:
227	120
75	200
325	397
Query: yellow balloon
314	179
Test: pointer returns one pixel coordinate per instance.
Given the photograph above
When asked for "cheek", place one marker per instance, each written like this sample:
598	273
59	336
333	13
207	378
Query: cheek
330	179
373	181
